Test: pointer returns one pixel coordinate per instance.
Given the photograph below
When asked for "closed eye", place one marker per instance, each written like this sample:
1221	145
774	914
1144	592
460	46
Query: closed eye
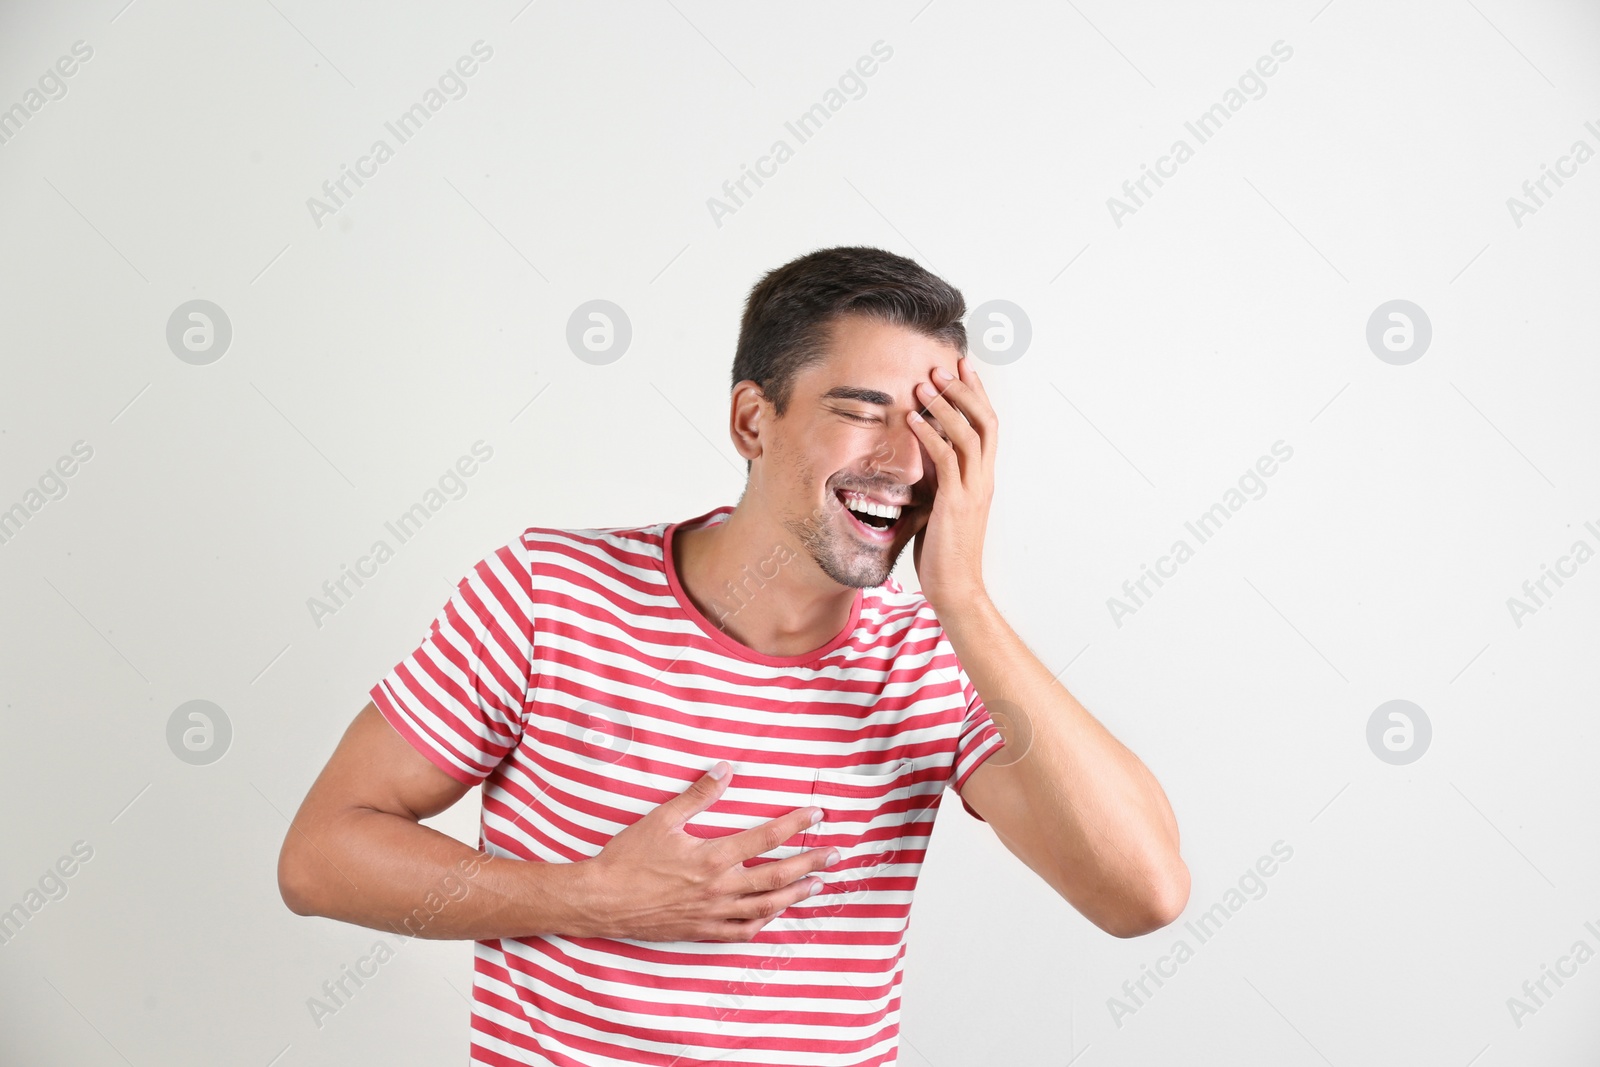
869	419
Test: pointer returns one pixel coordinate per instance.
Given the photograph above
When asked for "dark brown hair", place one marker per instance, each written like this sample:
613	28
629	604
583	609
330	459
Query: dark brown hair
790	311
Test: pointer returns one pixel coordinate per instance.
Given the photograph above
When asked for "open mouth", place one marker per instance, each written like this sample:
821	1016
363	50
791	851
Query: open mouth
874	520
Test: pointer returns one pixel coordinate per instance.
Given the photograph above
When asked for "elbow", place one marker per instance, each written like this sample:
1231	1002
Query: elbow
1176	897
293	886
1161	907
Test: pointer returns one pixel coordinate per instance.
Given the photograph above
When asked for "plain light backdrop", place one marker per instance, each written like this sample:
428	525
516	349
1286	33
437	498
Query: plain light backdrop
373	342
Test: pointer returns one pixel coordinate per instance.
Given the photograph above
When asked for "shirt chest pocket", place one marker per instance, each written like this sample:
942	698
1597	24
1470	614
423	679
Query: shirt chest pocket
865	817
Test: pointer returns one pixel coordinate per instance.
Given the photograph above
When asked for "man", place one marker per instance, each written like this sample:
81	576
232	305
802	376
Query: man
657	714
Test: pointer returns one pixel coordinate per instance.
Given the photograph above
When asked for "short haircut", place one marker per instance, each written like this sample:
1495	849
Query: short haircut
791	310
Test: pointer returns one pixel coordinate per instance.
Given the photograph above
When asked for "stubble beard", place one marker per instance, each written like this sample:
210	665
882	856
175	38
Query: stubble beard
843	558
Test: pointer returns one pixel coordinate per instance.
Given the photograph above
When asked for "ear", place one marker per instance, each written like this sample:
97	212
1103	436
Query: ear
748	412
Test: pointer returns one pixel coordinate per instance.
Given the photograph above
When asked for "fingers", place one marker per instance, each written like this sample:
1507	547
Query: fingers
969	396
777	885
944	406
701	794
946	462
988	422
969	375
736	848
765	906
963	415
780	874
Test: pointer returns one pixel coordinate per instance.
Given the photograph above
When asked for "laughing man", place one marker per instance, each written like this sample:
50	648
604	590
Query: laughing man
711	751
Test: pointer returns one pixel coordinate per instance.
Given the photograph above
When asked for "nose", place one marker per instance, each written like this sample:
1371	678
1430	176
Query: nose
899	455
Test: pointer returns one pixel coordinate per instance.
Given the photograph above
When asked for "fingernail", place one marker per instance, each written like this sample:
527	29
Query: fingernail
719	772
816	816
816	887
943	375
833	856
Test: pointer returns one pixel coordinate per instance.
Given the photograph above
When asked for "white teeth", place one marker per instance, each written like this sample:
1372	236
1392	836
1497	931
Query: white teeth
857	502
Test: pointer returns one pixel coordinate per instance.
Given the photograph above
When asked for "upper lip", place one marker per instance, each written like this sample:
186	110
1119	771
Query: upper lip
876	499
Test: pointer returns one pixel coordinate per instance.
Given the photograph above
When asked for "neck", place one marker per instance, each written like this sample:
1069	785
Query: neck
752	577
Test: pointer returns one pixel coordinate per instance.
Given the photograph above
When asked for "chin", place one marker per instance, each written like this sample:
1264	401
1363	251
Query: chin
856	563
846	555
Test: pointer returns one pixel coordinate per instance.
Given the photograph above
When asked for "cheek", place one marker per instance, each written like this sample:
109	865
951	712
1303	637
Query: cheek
842	454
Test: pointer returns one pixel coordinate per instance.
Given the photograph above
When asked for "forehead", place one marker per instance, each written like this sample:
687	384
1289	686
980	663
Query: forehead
869	354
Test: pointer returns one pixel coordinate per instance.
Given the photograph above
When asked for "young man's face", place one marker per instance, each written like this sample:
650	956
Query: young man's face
844	433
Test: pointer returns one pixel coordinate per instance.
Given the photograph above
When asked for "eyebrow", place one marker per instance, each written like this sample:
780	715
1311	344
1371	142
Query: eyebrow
856	392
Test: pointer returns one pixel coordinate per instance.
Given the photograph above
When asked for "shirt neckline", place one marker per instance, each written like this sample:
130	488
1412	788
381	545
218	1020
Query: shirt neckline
715	633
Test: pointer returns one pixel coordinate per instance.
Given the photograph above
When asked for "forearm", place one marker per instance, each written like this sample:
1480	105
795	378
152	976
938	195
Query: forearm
1096	792
389	873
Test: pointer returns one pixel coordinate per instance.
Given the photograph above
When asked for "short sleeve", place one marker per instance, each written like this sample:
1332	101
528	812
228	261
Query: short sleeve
460	695
979	740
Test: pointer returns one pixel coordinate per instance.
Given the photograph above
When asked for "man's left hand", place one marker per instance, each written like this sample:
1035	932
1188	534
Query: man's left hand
948	551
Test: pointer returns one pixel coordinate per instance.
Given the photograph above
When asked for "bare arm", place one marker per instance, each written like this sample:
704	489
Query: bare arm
1074	803
357	852
1069	799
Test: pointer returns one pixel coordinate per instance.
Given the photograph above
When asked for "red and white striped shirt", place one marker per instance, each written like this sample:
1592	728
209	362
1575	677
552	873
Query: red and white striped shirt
571	675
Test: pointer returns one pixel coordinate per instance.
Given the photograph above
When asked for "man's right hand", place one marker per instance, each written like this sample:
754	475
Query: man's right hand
654	881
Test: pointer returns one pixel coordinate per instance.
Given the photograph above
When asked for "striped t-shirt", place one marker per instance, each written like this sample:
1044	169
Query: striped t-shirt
571	675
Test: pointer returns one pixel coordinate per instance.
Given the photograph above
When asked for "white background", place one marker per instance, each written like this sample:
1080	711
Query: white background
1168	353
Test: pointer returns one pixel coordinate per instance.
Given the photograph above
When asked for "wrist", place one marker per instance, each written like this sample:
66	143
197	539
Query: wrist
579	898
965	599
549	898
970	620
